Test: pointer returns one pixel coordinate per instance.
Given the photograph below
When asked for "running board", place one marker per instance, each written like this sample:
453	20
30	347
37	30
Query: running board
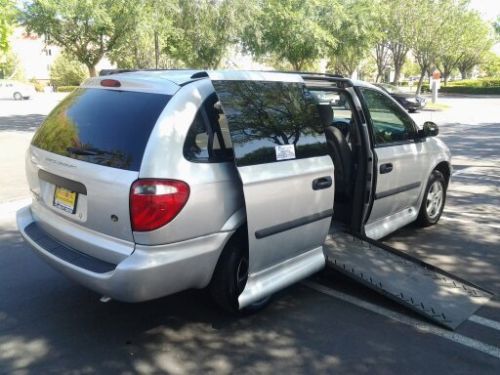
425	289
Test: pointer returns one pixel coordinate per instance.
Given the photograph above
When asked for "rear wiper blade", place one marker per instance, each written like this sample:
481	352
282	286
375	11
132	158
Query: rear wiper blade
81	151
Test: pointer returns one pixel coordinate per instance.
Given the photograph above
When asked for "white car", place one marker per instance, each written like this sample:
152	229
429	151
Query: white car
15	90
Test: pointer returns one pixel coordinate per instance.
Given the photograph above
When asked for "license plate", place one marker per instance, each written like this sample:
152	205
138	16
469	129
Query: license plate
65	199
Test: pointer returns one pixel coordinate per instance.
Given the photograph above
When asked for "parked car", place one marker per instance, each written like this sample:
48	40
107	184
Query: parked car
145	184
15	90
411	102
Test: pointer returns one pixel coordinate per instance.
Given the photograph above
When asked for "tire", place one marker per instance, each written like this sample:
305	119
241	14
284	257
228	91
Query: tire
434	200
17	96
229	280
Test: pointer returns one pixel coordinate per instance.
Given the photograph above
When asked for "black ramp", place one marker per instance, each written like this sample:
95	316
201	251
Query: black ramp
429	291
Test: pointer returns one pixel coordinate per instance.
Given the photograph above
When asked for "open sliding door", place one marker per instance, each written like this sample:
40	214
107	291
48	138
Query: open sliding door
287	176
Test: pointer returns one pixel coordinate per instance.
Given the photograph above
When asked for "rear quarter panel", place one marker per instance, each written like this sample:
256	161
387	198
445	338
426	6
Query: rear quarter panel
215	188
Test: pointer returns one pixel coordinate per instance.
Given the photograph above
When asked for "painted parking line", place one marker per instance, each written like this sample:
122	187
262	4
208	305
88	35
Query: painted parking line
465	221
493	324
418	325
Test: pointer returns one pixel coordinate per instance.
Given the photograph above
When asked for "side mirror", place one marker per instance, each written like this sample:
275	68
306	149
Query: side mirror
429	129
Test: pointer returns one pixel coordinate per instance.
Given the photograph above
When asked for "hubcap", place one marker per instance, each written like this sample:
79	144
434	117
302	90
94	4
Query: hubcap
434	200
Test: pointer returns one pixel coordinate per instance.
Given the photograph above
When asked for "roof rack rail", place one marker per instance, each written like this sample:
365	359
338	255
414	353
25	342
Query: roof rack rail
198	72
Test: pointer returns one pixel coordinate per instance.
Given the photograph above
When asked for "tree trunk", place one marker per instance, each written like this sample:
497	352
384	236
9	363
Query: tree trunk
399	53
297	66
157	50
446	76
92	71
420	81
381	56
463	73
397	73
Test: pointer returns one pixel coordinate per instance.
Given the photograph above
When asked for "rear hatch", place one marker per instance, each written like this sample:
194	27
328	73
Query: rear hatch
82	163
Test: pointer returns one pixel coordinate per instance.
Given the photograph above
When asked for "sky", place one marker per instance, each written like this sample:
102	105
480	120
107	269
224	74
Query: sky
489	9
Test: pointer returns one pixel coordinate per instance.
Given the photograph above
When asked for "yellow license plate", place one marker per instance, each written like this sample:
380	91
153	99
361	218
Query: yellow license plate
65	199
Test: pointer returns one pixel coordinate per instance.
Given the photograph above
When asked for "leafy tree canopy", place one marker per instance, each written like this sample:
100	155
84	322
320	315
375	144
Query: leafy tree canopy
87	29
7	20
203	31
357	34
296	31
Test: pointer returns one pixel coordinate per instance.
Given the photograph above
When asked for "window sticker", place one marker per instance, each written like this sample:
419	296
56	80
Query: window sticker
285	152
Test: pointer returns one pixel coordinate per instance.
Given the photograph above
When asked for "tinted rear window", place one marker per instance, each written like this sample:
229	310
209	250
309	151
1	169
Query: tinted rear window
105	127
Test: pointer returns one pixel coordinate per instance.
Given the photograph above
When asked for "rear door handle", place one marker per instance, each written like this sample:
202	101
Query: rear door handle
322	183
385	168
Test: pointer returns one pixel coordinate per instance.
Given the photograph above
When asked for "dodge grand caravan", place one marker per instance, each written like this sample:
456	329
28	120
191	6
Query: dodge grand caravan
146	183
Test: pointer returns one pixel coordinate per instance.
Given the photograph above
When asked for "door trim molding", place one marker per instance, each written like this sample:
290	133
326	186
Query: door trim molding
269	231
397	190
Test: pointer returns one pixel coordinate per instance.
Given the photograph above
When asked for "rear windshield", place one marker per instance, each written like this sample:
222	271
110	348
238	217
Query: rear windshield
106	127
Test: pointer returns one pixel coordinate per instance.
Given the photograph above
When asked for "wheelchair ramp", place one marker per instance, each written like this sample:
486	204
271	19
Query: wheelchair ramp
431	292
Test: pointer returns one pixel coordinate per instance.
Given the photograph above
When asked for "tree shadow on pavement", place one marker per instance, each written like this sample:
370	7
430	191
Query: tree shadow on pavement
477	142
29	122
49	324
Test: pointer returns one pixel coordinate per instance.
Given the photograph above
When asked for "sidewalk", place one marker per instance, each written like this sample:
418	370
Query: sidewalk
18	121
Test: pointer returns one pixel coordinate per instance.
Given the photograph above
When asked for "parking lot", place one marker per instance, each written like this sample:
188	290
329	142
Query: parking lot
327	324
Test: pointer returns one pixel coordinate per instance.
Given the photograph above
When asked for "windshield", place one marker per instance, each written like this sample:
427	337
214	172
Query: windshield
390	88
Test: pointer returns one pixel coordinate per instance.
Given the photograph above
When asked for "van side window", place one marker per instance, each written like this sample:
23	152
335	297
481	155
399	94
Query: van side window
208	139
389	123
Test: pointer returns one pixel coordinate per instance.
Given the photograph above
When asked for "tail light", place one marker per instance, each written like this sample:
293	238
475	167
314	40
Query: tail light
154	203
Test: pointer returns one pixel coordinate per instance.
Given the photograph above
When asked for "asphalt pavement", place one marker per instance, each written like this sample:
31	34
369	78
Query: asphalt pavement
328	324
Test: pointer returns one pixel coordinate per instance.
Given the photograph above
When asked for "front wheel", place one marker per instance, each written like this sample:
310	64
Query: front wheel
18	96
434	200
229	280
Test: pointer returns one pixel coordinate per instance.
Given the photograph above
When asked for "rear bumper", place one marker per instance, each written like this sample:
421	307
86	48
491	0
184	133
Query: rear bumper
149	272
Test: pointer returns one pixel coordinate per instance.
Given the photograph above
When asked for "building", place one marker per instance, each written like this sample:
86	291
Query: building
36	56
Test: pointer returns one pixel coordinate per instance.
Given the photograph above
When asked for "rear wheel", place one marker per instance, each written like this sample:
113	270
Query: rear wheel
434	200
230	277
18	96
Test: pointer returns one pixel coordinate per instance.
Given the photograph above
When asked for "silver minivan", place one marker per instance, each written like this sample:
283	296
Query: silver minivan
146	183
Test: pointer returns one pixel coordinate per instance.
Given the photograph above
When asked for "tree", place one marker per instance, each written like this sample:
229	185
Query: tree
67	71
297	31
426	41
357	34
203	31
10	66
458	41
7	20
86	29
491	65
452	36
152	32
401	15
478	42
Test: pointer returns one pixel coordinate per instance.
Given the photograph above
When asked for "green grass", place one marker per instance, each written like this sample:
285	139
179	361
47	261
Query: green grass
436	106
480	86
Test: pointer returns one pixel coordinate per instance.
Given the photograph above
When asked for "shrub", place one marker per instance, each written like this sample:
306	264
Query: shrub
480	82
39	86
485	86
66	88
67	72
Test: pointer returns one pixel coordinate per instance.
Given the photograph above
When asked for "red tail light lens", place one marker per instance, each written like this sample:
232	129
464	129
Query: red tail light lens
154	203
